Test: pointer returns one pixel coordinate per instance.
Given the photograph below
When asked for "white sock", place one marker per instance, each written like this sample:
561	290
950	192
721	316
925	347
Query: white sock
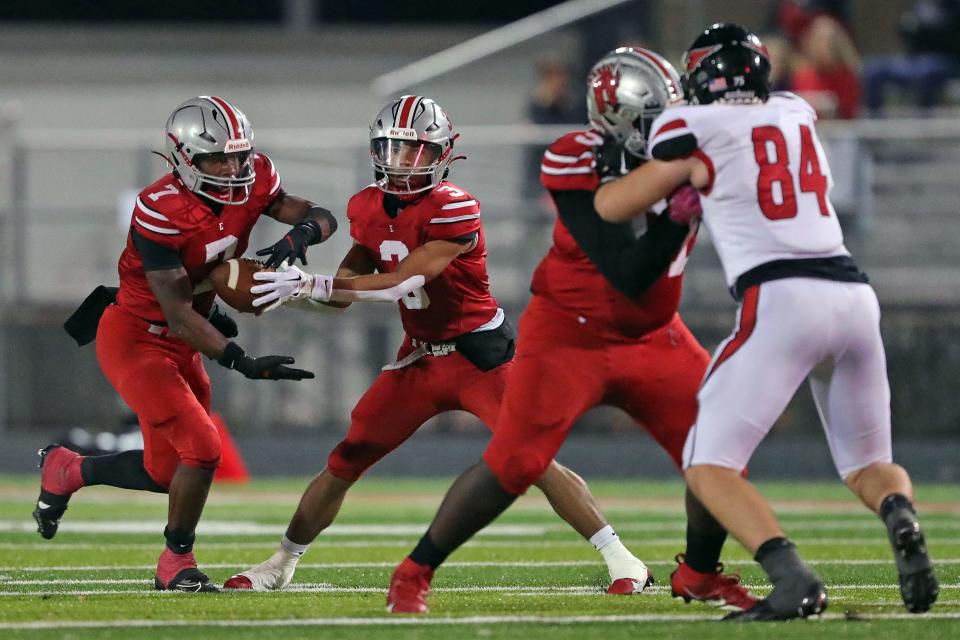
603	538
296	550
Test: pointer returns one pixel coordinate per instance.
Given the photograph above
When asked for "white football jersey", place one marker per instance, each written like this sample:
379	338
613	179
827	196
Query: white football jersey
769	192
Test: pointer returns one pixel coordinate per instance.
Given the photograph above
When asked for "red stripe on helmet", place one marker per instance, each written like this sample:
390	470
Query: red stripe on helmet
232	119
404	111
659	62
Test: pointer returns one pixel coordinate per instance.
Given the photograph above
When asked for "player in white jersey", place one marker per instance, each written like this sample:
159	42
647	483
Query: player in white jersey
806	310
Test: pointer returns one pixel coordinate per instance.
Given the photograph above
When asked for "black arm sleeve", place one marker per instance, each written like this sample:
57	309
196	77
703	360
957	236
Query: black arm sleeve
154	255
629	263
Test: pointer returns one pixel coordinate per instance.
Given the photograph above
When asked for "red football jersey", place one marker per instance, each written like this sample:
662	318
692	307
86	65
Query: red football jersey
568	277
458	300
168	213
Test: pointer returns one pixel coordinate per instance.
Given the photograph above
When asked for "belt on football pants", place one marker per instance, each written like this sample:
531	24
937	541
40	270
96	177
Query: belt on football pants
422	349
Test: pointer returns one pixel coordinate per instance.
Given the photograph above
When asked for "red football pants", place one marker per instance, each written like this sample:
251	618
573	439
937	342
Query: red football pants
399	401
560	371
162	379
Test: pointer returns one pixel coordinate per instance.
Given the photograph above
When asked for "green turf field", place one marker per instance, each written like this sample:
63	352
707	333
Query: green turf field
529	576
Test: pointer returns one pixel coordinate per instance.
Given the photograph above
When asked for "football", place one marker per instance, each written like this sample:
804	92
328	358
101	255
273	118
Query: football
232	281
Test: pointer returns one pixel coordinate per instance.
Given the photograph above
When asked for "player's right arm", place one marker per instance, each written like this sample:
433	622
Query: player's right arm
357	262
173	291
424	264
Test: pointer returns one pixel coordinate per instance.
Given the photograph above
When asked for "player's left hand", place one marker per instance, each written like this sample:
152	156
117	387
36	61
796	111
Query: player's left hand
613	160
684	205
223	323
290	247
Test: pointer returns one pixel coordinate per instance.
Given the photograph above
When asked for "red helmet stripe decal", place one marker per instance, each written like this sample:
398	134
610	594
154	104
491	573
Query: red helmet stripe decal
658	61
413	111
404	111
232	119
694	56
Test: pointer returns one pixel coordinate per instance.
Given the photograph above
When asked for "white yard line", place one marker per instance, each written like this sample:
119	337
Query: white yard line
320	587
532	564
240	528
430	621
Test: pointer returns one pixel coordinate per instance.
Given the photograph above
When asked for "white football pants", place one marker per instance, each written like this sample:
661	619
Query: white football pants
787	330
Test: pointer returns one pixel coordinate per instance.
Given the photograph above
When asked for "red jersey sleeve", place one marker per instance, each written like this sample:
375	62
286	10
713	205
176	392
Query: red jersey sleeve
158	216
454	213
569	164
267	185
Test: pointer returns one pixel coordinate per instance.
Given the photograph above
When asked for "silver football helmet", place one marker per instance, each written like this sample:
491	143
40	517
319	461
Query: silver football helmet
411	142
626	90
210	128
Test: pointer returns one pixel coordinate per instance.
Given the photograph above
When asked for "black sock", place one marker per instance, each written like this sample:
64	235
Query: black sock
179	542
124	470
473	501
779	558
426	552
705	537
895	503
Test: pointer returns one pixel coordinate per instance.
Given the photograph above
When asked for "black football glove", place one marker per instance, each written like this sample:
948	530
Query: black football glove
613	161
293	245
223	323
263	368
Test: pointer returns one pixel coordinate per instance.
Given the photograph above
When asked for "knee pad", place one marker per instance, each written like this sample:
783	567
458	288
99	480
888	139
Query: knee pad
349	460
198	447
516	472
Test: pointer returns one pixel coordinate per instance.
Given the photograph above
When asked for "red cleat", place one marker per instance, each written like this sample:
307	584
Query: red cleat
716	588
60	477
178	572
409	587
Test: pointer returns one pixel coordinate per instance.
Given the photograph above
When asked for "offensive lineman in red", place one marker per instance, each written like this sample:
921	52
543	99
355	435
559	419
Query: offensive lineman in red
150	340
602	328
423	237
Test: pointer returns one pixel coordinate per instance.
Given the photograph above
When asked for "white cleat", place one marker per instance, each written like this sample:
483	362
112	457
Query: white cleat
629	579
272	575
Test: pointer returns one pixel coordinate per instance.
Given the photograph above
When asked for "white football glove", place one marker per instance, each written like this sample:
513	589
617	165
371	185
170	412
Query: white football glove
289	282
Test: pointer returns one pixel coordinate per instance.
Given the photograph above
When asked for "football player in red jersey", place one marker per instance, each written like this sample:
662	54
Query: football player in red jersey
423	237
606	300
150	340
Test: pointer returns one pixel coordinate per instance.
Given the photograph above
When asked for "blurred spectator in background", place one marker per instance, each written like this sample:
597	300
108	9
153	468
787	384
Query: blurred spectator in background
552	102
931	37
792	18
782	62
827	74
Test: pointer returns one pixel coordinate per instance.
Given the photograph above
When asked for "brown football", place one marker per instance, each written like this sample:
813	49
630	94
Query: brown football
232	281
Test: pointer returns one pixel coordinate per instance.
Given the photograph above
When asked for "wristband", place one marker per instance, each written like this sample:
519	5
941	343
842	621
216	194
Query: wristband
232	353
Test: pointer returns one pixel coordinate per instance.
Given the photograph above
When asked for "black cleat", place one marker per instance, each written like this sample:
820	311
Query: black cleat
50	506
815	602
918	583
190	580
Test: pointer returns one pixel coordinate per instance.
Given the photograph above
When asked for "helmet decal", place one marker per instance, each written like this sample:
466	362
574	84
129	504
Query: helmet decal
693	57
605	81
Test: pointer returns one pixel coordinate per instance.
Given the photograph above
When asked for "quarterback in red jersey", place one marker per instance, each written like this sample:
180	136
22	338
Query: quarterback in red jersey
423	237
150	340
606	300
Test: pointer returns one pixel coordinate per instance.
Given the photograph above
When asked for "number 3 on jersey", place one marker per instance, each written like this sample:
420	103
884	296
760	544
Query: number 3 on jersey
775	173
394	249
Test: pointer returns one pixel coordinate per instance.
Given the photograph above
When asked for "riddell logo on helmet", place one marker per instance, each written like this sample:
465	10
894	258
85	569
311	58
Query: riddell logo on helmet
237	145
410	134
